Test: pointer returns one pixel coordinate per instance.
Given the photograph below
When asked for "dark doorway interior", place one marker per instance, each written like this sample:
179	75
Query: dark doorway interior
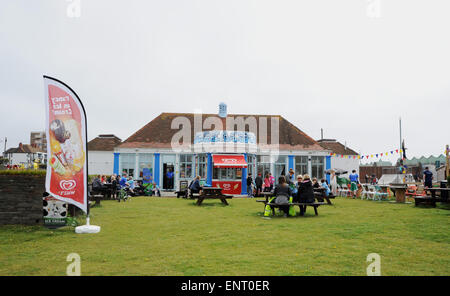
169	176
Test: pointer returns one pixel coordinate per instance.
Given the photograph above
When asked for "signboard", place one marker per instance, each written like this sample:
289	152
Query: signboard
66	177
229	187
55	212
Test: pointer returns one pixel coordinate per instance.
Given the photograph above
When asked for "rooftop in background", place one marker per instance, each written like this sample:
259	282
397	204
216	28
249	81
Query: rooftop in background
25	148
158	132
104	143
336	147
426	160
379	163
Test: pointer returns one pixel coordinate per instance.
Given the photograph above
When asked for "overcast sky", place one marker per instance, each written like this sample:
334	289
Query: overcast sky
344	66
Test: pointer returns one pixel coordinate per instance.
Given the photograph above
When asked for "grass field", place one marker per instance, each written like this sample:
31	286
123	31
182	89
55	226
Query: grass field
169	236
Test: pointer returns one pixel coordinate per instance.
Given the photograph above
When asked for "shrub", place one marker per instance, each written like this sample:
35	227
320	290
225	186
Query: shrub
24	172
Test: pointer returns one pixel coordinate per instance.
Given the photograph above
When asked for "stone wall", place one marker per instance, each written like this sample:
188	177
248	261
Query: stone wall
21	199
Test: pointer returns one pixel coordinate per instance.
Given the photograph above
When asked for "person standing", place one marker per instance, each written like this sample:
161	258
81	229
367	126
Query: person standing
249	185
354	180
258	184
428	178
267	183
333	183
272	181
170	176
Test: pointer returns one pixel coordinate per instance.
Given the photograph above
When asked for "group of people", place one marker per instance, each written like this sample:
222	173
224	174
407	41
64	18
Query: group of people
118	182
254	188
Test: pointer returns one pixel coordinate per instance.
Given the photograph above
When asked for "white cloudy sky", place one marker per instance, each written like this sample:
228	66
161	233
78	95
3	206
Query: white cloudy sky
319	63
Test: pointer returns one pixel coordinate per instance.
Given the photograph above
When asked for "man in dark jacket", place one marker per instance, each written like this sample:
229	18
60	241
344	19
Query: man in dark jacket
249	185
258	183
195	186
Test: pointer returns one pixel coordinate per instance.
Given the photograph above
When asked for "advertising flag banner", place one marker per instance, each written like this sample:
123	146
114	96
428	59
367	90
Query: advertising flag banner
66	177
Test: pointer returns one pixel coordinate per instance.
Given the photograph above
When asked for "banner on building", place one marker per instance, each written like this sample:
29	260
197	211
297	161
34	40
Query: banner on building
66	177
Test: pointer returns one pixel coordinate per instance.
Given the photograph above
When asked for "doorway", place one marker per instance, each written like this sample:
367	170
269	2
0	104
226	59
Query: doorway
168	170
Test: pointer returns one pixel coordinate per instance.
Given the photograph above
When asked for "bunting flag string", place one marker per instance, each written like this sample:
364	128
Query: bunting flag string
376	155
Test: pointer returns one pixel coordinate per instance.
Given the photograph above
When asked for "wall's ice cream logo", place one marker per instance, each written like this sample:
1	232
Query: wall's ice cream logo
229	160
67	184
227	186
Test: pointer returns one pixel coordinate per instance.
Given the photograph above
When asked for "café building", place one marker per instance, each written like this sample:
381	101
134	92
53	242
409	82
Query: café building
220	148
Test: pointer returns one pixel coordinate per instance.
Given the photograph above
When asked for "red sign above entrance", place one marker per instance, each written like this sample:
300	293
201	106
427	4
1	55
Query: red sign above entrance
229	161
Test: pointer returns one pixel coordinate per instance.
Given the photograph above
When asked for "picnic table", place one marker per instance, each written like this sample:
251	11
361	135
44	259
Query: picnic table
319	195
443	197
212	193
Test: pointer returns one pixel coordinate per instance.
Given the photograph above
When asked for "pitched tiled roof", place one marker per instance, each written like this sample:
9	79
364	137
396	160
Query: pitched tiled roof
336	147
24	148
158	132
104	143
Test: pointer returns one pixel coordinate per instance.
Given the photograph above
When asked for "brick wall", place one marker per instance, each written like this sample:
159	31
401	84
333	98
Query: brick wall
21	199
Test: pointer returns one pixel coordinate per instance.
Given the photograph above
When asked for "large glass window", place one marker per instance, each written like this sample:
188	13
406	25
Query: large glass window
145	162
317	166
227	173
263	165
280	167
186	166
201	166
251	165
127	163
301	165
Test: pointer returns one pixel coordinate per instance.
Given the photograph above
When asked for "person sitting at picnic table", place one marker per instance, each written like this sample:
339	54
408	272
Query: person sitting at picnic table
428	178
354	181
103	179
97	185
305	193
195	187
283	193
325	185
315	183
131	184
155	190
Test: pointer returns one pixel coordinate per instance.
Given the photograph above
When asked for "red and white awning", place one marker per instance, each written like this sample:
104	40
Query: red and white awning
229	161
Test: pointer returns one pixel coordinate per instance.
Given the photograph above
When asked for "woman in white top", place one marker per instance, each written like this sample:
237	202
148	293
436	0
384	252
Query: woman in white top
333	183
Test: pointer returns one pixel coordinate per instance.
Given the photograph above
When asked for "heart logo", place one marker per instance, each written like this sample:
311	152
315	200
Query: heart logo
67	184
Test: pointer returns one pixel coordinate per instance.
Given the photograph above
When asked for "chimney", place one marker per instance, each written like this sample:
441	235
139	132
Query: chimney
222	110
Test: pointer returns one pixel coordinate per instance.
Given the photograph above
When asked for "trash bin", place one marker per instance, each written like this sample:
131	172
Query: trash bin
444	194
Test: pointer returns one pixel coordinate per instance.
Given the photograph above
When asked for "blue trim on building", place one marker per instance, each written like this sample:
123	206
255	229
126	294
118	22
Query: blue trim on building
116	163
157	169
209	170
291	162
327	167
244	178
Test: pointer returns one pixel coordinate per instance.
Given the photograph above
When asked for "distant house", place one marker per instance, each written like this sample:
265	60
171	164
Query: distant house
345	158
101	154
26	155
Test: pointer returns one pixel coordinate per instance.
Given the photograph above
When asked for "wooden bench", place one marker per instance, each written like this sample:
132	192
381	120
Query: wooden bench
315	205
212	193
427	200
182	193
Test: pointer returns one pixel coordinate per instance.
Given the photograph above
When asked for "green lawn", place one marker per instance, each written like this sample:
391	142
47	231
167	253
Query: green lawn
169	236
